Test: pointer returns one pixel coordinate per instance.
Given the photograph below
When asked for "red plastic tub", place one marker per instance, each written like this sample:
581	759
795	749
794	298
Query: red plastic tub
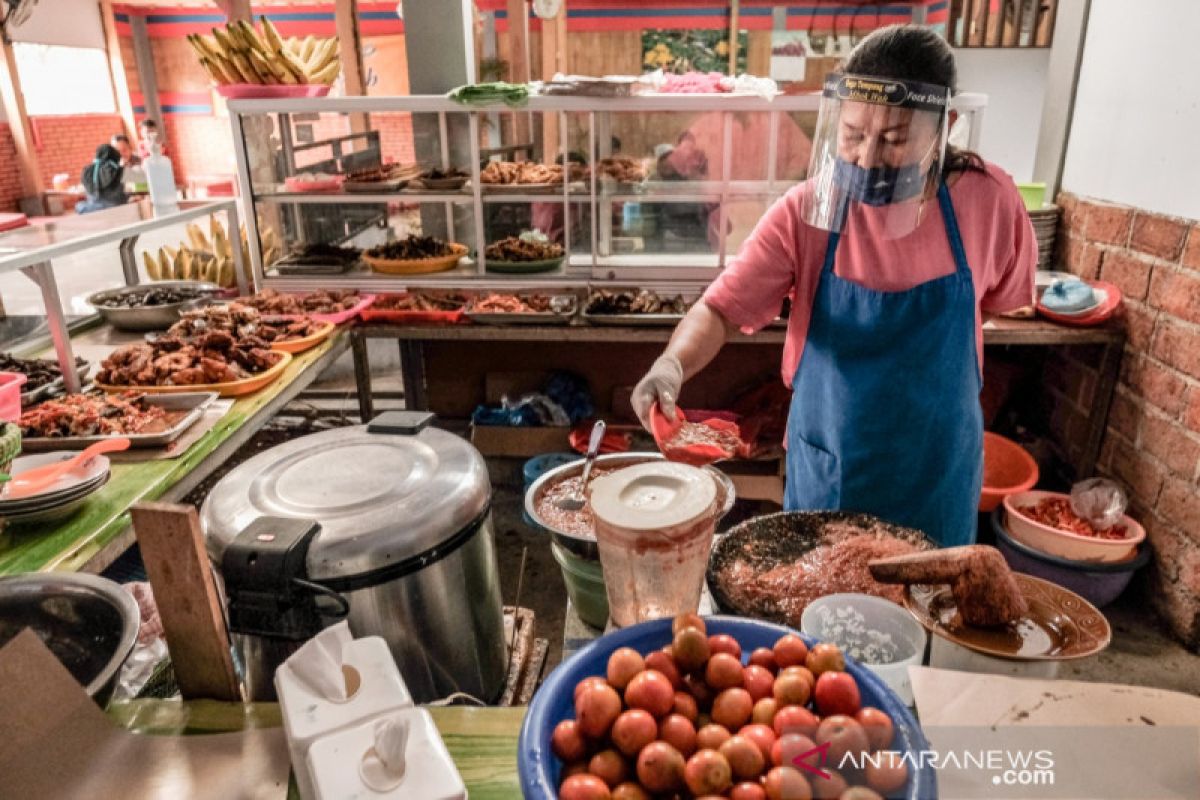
10	395
1007	469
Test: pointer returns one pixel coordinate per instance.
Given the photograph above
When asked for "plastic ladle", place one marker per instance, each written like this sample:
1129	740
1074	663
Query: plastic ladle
576	501
32	481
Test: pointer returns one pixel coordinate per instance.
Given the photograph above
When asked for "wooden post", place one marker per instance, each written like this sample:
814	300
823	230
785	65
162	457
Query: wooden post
733	37
18	121
345	14
518	60
554	59
235	10
116	67
188	602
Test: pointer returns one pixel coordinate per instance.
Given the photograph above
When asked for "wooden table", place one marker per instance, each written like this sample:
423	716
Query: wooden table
482	741
997	332
96	535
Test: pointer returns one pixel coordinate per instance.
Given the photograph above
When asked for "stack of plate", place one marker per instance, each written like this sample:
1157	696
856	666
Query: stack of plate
1045	227
60	499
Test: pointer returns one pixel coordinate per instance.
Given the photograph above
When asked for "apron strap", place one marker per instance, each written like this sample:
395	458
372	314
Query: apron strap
951	222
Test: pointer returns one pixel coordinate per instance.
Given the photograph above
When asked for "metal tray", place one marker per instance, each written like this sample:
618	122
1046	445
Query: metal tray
528	317
55	387
192	402
328	268
636	320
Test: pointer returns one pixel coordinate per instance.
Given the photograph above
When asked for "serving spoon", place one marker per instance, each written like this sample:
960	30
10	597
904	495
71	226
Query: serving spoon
32	481
574	502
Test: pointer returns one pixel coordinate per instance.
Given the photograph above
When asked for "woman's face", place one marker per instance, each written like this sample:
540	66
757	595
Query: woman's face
871	135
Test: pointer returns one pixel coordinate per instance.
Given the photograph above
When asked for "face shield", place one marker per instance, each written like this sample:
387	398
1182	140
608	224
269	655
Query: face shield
878	151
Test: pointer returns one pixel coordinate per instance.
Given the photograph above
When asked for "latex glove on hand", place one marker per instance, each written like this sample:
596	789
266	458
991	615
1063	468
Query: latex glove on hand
660	385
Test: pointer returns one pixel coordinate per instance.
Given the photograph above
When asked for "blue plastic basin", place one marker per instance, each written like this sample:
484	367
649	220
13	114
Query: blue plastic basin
539	768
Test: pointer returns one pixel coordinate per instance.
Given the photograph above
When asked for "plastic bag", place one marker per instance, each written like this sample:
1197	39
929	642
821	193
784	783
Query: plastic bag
1100	501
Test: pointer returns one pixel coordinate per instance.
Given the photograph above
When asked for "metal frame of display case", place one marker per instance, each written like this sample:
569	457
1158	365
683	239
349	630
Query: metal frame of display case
595	265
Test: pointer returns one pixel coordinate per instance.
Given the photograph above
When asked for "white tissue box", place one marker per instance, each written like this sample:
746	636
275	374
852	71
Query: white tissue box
307	715
335	763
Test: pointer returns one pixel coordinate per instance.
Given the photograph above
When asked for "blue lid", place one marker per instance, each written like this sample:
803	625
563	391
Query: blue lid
1069	295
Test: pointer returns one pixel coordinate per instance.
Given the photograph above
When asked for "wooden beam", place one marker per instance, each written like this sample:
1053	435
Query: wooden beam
143	54
235	10
188	602
345	15
116	67
518	60
733	37
18	122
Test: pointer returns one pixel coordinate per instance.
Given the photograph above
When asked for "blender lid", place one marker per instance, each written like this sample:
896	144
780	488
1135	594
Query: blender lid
380	498
653	495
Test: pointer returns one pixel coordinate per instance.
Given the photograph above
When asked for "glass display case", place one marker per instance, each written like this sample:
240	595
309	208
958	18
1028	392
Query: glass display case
648	190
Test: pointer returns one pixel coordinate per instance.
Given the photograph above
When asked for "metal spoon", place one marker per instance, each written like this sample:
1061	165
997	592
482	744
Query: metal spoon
577	501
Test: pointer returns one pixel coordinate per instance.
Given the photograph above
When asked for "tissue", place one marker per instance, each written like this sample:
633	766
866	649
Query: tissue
318	663
382	767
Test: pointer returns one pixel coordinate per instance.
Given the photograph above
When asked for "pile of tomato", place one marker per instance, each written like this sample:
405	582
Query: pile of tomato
691	721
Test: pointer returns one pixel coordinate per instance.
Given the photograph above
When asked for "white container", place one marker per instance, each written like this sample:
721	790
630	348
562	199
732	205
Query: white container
160	177
945	654
344	765
869	624
374	687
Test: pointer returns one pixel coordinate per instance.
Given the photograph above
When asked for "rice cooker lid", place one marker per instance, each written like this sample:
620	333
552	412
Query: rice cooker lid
382	499
653	496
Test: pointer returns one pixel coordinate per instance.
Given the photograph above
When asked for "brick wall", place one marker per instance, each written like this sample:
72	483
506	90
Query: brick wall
1152	443
10	172
68	144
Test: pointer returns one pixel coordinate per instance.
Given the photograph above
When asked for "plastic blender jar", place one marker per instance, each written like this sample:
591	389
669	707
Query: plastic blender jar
654	526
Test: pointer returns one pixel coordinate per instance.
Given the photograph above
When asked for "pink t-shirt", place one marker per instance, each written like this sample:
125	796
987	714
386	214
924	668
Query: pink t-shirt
783	258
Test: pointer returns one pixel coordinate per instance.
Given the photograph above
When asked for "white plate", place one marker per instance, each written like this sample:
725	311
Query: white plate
85	473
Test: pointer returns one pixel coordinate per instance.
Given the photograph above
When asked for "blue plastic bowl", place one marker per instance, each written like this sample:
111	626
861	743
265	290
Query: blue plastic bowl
539	768
1098	583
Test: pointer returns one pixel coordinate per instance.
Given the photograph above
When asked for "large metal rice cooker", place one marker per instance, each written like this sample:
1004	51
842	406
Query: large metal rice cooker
405	537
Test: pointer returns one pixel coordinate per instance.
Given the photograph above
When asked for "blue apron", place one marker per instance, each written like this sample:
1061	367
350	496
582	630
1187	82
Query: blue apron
885	416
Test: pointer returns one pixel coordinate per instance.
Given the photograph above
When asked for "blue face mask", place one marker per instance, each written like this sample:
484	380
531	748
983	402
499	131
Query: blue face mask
878	186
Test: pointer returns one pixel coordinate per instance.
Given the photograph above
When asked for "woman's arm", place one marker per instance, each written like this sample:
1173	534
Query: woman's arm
698	338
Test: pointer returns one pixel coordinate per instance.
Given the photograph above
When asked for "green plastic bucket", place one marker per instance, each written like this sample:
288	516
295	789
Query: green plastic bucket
585	586
1034	195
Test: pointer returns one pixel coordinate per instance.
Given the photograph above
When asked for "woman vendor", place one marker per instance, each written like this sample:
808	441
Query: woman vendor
891	251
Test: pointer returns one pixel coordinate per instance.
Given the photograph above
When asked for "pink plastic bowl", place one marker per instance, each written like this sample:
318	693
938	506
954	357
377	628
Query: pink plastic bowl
10	395
1052	541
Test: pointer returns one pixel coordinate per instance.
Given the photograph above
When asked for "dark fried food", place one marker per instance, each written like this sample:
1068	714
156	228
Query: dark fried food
37	371
629	301
96	415
421	301
411	247
512	304
515	249
322	301
624	169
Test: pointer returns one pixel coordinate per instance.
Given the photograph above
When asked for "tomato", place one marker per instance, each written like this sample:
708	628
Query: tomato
785	783
891	773
791	689
761	735
679	732
608	766
859	793
878	725
795	719
690	649
652	691
660	768
574	768
586	682
700	690
567	741
584	787
764	711
685	705
708	772
629	791
688	620
830	788
596	708
844	735
789	747
765	657
732	708
623	664
790	651
664	663
633	730
748	790
744	757
825	657
711	737
724	671
724	643
837	693
759	681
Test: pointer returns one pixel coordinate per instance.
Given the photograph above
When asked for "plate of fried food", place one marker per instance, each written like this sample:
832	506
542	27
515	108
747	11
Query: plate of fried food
527	176
529	252
415	255
499	308
324	305
433	307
